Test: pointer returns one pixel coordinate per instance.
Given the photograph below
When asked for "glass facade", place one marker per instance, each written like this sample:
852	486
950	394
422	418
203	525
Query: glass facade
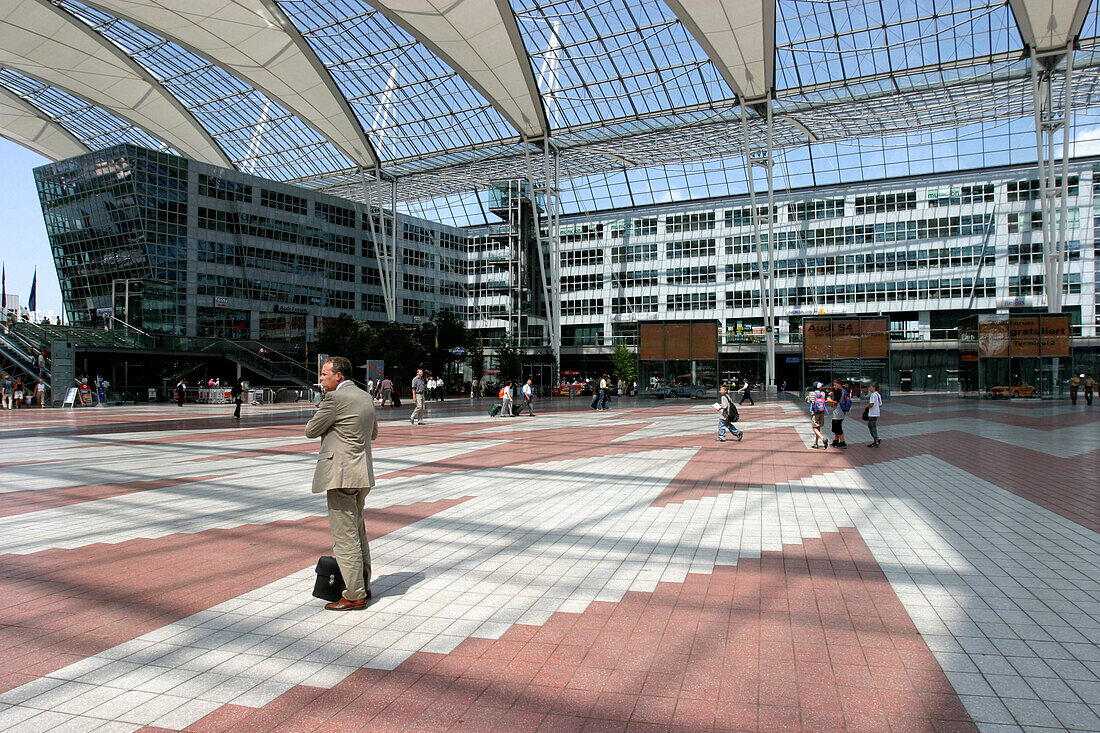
188	248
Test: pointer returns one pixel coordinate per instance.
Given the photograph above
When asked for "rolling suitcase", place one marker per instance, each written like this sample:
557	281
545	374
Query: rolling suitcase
494	410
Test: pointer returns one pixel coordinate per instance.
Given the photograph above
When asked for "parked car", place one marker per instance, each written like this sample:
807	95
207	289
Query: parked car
694	391
1016	390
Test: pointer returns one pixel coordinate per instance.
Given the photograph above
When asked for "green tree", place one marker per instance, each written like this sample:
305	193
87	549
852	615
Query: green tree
510	359
400	347
345	336
626	363
475	357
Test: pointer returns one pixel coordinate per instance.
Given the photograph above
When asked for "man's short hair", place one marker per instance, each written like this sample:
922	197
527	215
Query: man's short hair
339	365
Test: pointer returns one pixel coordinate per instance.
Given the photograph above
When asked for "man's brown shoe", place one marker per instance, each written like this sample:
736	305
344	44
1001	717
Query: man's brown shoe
345	605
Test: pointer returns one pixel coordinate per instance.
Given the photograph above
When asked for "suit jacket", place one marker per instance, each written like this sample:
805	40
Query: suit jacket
346	423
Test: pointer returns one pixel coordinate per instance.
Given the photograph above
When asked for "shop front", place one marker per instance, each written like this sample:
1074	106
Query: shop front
1014	356
855	350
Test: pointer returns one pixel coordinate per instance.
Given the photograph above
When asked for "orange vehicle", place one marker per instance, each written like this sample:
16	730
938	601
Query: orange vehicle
1018	390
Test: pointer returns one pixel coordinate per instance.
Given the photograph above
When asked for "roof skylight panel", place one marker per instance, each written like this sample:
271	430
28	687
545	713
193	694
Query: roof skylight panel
254	131
407	99
95	127
613	59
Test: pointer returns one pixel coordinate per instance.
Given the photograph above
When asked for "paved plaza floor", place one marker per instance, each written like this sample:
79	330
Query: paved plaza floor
578	570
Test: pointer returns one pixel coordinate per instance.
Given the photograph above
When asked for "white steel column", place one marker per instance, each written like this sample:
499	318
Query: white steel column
550	243
385	252
1053	173
757	154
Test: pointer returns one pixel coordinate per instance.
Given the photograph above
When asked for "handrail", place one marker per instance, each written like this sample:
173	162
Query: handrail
131	326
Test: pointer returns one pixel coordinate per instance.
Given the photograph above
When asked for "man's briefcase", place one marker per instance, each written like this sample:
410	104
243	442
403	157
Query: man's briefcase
330	584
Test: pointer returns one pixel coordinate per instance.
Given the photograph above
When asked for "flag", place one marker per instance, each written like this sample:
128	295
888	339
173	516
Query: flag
32	302
4	290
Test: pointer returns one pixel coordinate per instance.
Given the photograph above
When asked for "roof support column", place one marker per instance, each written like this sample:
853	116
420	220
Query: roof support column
385	248
1050	118
759	153
544	182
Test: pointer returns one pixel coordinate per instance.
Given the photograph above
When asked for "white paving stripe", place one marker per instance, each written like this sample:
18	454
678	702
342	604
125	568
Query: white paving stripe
1004	592
261	490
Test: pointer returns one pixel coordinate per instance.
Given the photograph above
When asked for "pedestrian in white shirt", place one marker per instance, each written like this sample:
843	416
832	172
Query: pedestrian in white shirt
872	413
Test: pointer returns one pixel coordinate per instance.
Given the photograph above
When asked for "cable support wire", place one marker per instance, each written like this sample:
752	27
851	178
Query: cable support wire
792	45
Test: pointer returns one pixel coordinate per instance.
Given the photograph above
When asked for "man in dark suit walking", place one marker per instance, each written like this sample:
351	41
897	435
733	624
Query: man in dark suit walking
346	423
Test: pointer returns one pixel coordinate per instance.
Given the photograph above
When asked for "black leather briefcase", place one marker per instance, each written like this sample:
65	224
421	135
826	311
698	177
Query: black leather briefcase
330	584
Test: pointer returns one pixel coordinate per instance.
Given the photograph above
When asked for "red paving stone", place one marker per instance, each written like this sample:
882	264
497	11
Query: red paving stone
59	606
21	502
812	638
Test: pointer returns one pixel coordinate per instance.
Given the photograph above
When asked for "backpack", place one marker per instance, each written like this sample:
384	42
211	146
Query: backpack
845	400
500	394
817	402
729	410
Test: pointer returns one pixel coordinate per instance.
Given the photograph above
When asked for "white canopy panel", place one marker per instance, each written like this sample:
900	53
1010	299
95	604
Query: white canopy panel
40	41
254	40
22	123
480	40
739	37
1049	24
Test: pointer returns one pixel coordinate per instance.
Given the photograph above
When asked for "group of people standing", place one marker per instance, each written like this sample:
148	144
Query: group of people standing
15	394
836	402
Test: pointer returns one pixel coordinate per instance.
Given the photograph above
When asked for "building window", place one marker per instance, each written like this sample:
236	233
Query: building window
224	190
807	210
634	252
690	301
413	307
571	283
690	248
634	304
283	201
884	202
419	283
337	215
582	257
689	222
584	307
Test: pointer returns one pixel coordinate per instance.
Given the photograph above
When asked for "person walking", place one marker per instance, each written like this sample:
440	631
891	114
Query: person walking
7	390
1089	384
727	415
506	402
1074	384
605	393
818	408
746	393
528	392
17	394
237	393
387	391
419	390
873	412
836	402
346	423
181	387
40	392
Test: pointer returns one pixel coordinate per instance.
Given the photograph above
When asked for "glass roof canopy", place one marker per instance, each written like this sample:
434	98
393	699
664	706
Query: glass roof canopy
638	109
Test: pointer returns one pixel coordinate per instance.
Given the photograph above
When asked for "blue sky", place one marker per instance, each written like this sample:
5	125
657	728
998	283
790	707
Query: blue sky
23	244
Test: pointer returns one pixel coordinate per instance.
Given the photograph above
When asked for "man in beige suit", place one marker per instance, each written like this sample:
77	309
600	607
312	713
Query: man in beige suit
346	423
